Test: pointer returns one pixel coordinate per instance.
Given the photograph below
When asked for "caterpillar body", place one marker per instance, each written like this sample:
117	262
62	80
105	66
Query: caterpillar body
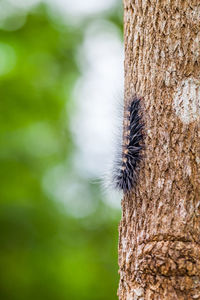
127	162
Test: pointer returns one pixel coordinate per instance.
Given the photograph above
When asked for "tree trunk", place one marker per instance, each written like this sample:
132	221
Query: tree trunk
159	243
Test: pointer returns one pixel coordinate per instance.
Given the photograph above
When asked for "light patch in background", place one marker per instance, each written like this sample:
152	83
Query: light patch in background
37	140
12	16
187	100
72	194
73	11
97	94
24	4
80	8
7	58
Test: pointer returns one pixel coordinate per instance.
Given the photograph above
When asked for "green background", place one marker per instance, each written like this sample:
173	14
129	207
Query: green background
45	252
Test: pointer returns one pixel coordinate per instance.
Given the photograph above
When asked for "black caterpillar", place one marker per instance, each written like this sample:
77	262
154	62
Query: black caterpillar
126	165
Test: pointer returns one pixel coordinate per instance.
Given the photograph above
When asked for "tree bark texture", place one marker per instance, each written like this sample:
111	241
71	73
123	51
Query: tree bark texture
159	239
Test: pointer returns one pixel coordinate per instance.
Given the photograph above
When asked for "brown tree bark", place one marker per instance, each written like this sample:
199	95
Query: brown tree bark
159	243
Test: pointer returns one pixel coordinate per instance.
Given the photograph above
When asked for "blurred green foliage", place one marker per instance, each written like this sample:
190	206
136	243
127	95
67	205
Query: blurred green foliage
45	253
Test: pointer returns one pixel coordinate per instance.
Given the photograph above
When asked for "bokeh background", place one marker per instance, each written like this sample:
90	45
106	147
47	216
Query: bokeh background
61	68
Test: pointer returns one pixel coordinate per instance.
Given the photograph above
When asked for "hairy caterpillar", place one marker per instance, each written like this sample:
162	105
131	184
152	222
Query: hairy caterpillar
126	163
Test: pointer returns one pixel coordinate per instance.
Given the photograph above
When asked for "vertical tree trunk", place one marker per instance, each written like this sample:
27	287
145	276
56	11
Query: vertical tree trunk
159	244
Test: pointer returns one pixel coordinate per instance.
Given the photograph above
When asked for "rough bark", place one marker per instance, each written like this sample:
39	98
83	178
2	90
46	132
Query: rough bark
159	243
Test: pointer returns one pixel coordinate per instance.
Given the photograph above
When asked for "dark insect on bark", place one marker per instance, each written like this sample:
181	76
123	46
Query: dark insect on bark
126	166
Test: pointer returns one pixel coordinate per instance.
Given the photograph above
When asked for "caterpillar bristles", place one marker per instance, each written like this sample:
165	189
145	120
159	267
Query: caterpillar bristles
126	164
